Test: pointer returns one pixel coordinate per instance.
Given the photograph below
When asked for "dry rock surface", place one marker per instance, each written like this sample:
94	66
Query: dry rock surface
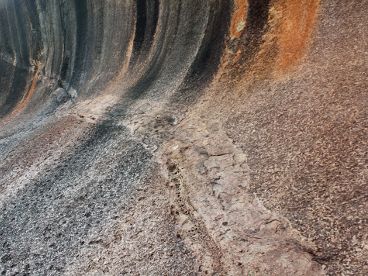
190	137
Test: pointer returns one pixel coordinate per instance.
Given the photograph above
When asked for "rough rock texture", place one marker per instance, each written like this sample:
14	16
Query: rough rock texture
159	137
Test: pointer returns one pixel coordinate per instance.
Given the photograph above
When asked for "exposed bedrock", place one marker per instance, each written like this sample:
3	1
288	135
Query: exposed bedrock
160	137
82	45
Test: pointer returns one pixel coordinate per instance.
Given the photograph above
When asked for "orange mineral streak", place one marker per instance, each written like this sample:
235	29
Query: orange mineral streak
238	20
297	20
289	32
285	41
26	98
28	95
231	55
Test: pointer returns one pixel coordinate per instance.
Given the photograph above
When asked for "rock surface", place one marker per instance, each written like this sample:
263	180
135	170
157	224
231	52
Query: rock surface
183	137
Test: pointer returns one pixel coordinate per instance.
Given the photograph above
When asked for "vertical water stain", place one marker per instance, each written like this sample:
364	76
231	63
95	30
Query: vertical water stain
267	38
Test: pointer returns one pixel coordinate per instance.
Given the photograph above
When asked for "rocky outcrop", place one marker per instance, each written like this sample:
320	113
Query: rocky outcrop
183	137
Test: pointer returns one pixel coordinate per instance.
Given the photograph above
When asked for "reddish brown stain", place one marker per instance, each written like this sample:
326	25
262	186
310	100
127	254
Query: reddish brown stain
295	26
290	29
238	20
285	41
25	99
28	95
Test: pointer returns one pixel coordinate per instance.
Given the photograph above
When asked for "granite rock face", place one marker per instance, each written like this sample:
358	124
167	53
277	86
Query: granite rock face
159	137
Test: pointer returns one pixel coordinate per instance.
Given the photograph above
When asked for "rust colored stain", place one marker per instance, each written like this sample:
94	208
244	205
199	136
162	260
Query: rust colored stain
287	35
232	53
238	20
296	23
26	98
290	28
28	95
